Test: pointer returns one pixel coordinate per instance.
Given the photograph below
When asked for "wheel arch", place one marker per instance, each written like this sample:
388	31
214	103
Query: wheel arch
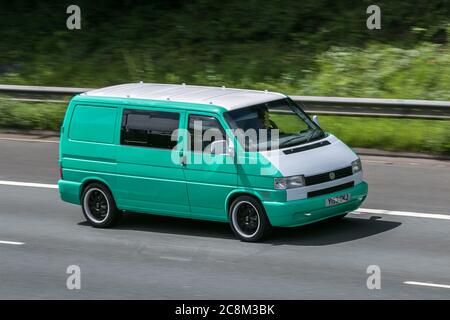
89	180
241	192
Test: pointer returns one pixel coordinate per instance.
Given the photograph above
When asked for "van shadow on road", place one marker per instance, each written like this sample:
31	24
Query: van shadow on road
332	232
317	234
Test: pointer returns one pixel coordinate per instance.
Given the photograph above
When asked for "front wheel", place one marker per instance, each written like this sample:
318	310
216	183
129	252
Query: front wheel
99	207
248	219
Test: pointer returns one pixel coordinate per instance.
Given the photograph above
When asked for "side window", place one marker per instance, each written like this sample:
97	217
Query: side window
93	124
151	129
204	130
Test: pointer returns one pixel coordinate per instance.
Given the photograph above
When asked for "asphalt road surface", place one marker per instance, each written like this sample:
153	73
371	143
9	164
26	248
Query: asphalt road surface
403	228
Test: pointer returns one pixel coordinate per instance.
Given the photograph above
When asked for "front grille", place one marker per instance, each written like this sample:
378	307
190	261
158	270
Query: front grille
325	177
330	190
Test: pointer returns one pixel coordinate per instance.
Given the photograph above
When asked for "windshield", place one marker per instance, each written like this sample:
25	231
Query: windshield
293	125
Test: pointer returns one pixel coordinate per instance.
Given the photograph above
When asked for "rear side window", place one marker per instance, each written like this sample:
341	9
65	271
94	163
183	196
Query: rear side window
151	129
93	124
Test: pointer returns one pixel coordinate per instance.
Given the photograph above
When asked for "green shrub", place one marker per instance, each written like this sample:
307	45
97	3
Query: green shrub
31	116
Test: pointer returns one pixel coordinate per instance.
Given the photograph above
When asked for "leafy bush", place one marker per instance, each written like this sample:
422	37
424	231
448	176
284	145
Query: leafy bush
308	47
383	71
31	116
298	47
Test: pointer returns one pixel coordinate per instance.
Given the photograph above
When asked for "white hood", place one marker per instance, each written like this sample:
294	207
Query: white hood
326	158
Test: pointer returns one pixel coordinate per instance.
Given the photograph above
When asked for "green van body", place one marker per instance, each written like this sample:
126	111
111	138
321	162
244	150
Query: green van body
146	180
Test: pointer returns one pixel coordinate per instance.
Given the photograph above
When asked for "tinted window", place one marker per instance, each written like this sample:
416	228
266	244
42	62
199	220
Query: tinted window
149	128
198	126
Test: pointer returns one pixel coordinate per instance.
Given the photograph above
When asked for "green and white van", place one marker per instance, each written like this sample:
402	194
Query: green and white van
251	158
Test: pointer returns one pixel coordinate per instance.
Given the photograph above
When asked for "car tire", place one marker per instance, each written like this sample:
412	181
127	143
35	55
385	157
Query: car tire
248	219
99	207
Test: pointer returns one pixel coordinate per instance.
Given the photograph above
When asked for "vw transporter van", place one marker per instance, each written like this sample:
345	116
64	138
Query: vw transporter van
251	158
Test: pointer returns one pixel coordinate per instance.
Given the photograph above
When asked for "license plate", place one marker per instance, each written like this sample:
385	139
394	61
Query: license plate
337	199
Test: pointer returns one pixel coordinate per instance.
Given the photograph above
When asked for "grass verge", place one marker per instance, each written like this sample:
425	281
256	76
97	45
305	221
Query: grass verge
393	134
416	135
31	116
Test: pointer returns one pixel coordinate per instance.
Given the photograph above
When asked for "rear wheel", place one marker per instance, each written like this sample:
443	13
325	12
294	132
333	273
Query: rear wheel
99	207
248	219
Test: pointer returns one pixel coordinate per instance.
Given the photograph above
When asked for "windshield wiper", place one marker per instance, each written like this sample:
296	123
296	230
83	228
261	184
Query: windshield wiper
288	141
312	134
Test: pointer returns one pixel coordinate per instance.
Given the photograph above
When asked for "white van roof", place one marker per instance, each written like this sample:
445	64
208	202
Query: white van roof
220	96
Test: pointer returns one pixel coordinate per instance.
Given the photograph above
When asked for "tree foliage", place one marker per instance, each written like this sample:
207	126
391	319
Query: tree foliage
307	47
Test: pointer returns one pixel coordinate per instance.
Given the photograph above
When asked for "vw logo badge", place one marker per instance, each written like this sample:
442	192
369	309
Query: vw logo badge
332	175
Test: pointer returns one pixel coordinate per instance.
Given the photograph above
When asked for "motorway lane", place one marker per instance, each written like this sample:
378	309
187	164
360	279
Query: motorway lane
29	161
418	185
166	258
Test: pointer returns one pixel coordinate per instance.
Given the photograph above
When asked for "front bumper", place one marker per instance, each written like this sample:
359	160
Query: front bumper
305	211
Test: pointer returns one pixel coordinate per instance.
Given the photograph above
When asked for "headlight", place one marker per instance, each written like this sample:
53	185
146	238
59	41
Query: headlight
289	182
356	166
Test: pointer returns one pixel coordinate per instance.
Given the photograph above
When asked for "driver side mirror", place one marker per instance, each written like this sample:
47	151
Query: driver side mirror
316	120
220	147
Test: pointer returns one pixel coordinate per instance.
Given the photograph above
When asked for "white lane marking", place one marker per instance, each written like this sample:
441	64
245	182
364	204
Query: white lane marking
14	243
28	184
397	161
428	284
359	211
403	213
29	140
175	258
